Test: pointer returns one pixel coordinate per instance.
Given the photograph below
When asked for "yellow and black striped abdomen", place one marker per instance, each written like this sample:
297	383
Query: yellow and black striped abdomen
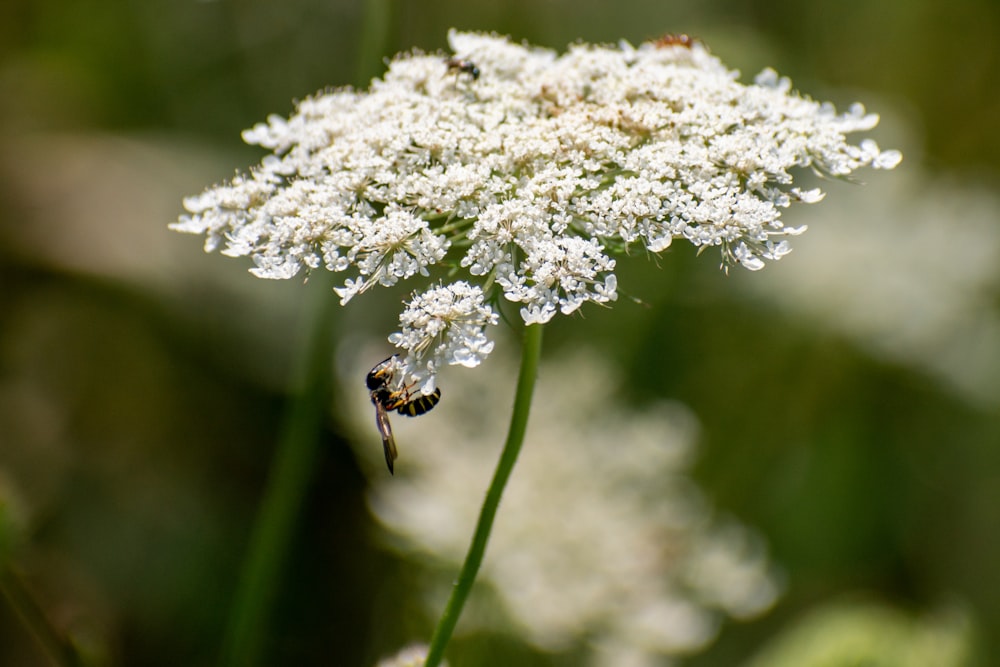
420	404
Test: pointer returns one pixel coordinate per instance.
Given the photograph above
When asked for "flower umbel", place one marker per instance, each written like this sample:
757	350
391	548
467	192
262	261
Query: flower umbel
526	171
445	322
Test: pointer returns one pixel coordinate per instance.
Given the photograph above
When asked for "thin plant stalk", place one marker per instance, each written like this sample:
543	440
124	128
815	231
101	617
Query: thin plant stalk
289	479
530	353
59	649
299	439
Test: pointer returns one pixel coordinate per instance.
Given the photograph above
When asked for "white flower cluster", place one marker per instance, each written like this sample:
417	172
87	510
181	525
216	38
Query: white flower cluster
529	170
919	293
445	322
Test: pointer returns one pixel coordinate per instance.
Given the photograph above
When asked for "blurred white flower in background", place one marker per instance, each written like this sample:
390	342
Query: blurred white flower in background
603	538
411	656
922	291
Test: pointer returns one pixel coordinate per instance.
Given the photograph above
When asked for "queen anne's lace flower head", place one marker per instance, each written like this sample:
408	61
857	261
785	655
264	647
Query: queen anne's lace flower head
528	171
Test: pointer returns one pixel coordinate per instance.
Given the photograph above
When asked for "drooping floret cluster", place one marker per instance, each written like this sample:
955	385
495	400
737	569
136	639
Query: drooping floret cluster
524	172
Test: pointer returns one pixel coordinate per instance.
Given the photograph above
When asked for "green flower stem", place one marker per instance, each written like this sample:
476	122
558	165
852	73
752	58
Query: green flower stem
58	648
530	354
299	440
287	484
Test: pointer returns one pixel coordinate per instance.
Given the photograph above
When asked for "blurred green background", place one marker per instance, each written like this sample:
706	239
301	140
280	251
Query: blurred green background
144	384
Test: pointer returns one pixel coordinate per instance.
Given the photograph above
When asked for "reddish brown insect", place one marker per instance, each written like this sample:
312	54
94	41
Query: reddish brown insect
462	67
671	39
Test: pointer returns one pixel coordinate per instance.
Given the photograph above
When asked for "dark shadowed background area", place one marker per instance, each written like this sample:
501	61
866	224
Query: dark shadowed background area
848	400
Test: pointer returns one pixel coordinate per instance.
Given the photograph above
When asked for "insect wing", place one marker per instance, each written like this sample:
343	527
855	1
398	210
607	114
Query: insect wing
385	430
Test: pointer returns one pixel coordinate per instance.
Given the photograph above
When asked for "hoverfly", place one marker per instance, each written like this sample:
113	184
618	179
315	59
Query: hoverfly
462	66
402	401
